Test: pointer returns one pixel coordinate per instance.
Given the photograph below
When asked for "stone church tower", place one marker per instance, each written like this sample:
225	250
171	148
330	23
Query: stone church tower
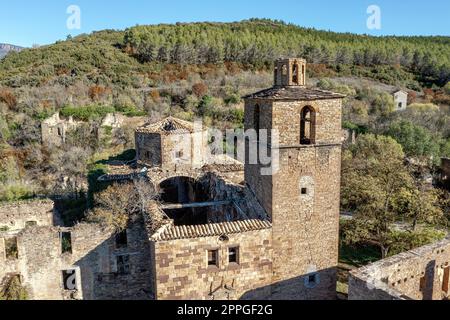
302	197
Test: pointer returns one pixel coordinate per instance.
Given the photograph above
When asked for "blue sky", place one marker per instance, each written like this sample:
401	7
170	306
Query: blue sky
27	22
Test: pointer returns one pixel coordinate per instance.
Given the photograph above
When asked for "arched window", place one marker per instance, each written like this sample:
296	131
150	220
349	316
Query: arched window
307	128
256	119
295	73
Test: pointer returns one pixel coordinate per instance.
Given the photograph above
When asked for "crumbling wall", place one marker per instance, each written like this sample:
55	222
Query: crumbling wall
419	274
182	271
15	216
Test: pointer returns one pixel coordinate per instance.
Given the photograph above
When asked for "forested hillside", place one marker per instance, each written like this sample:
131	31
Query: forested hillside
122	57
203	70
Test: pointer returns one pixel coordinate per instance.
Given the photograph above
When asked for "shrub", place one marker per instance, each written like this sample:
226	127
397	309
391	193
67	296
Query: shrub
97	92
13	290
7	97
87	113
200	89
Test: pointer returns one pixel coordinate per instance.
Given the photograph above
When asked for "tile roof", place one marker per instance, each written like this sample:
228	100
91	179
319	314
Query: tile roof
294	93
171	232
168	125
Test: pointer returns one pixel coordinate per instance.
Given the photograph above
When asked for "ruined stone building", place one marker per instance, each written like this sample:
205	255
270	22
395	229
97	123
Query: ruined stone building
55	130
400	100
420	274
221	229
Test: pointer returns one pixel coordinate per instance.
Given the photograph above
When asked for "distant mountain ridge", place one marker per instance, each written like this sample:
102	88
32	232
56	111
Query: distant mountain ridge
6	48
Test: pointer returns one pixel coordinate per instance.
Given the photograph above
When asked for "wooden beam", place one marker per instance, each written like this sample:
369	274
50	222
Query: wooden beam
171	206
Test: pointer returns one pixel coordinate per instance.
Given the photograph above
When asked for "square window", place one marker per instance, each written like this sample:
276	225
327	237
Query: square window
121	239
66	242
304	191
179	154
30	224
69	279
213	258
233	255
123	264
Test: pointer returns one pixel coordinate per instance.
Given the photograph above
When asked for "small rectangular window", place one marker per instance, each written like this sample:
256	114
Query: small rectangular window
179	155
233	255
69	279
30	224
66	242
121	239
148	155
123	264
304	191
213	258
11	248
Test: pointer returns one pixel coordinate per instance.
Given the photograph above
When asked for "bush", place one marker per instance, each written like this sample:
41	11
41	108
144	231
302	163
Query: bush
200	89
7	97
13	290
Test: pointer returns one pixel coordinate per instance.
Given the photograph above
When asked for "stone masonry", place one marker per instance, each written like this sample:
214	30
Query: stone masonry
219	229
420	274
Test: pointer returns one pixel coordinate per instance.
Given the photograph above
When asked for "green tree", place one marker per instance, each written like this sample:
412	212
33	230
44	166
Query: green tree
373	177
416	141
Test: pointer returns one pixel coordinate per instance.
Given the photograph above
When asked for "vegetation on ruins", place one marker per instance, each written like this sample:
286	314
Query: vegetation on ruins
12	289
120	203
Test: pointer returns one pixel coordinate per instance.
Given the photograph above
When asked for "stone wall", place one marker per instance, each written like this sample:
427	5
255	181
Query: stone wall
93	256
419	274
174	152
302	198
15	216
182	271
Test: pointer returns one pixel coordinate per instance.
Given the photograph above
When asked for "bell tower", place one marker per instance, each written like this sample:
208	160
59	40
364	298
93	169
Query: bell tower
302	197
290	72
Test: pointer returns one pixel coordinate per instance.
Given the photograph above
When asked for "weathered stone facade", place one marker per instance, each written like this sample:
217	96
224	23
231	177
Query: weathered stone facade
17	215
302	197
420	274
400	100
40	259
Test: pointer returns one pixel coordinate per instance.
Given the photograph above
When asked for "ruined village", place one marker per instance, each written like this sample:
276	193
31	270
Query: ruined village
212	227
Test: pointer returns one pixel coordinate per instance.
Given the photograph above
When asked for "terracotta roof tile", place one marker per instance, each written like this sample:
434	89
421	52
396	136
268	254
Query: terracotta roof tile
294	93
168	125
210	230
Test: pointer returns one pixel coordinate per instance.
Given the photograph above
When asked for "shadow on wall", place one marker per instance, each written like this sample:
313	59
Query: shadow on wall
320	285
429	281
119	268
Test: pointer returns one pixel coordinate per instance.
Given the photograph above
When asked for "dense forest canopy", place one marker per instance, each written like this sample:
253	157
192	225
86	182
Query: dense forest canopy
257	42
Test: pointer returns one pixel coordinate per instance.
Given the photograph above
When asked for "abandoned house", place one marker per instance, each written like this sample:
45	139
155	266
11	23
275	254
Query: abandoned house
55	130
226	230
420	274
400	100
